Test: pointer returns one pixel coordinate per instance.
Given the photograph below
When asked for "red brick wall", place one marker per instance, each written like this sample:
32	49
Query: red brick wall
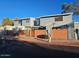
22	34
59	34
32	33
40	32
56	33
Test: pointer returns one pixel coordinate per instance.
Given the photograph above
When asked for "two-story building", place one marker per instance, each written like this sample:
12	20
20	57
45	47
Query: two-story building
24	24
60	26
27	22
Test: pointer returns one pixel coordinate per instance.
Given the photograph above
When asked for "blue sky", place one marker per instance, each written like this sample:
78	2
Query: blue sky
30	8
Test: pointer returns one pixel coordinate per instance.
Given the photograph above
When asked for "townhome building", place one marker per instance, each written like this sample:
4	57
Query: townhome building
59	26
24	24
27	22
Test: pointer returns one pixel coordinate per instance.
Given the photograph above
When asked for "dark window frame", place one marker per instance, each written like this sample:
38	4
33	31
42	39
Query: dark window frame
37	22
27	21
20	21
59	18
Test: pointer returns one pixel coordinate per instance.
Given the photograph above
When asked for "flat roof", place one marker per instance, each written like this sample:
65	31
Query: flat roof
54	15
24	18
46	16
76	22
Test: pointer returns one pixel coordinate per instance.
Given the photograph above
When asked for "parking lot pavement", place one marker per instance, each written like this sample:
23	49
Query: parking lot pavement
63	45
33	40
34	47
74	43
17	49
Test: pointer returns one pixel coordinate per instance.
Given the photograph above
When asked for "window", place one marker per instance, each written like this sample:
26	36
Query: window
59	18
27	21
37	22
20	22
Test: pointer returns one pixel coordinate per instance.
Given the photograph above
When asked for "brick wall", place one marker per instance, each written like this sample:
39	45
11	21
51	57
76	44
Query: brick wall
60	34
40	32
56	33
32	33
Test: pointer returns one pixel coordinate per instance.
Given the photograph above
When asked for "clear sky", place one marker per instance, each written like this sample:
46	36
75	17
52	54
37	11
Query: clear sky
30	8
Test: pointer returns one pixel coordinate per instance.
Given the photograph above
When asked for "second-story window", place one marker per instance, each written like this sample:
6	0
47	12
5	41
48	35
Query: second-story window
27	21
59	18
37	22
20	22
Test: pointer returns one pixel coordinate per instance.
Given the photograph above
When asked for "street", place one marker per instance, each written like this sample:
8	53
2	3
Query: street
16	49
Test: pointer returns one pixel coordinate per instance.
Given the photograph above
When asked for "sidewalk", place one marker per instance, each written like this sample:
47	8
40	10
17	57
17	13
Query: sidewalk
74	43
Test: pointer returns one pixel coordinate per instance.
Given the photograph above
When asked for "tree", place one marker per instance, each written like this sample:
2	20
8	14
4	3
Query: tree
7	21
74	7
11	22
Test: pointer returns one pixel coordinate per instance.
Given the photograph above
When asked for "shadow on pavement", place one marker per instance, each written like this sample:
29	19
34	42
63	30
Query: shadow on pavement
16	49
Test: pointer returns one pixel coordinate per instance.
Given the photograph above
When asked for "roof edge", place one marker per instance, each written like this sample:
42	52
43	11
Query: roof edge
56	15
